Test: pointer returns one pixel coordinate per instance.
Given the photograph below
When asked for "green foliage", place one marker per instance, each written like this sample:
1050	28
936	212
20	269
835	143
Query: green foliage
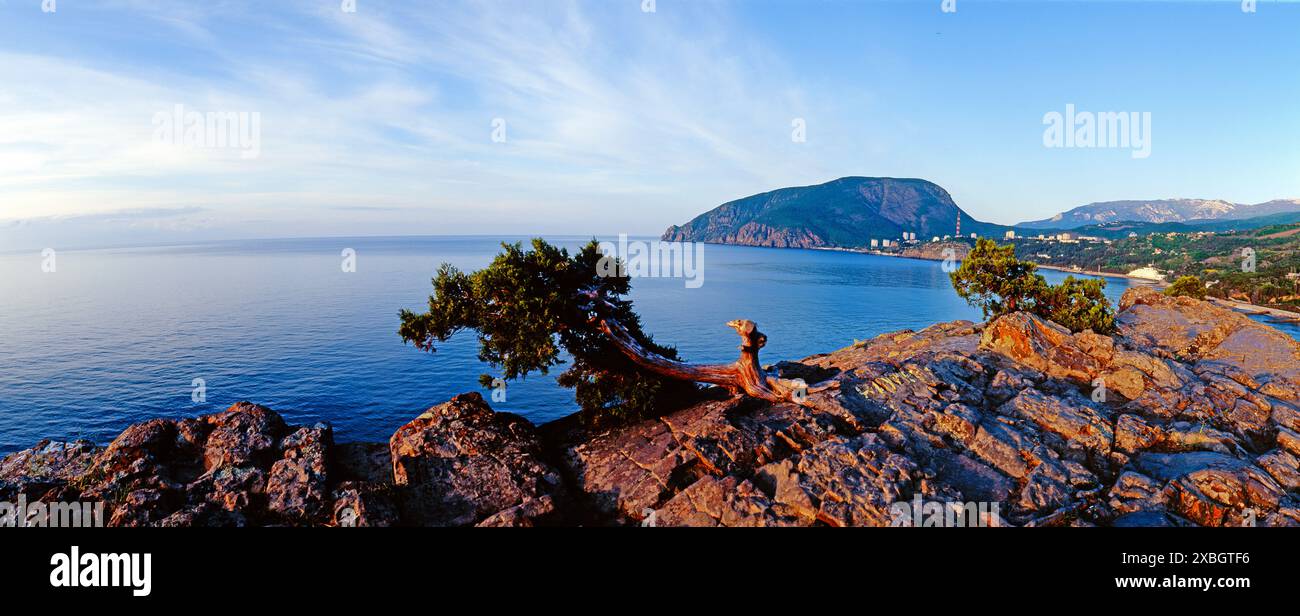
1214	257
1077	304
530	307
1187	286
994	280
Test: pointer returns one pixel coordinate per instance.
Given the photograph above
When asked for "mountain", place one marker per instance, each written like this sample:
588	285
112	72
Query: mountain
1162	211
845	213
1119	229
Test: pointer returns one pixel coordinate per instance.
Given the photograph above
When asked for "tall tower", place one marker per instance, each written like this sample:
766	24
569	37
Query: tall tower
958	223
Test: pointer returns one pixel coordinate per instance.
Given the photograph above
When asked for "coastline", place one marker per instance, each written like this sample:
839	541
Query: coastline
1159	284
1242	307
1281	315
463	463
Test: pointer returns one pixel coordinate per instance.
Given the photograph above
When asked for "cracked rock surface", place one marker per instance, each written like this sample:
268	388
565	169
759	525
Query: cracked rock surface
1188	415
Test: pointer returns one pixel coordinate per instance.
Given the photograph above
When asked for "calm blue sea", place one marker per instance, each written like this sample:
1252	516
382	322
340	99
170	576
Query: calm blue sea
115	336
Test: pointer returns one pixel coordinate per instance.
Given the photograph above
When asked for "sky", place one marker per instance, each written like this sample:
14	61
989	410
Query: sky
605	117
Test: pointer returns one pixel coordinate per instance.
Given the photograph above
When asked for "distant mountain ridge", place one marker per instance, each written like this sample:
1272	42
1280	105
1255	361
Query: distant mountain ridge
1116	230
846	213
1162	211
851	211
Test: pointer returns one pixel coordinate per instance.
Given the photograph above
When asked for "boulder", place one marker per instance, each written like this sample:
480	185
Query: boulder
43	472
1133	434
364	504
1047	347
721	502
1068	417
246	434
138	473
460	463
297	487
1196	331
240	467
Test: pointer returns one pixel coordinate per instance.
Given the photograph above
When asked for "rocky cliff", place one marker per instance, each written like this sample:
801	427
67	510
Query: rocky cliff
1189	415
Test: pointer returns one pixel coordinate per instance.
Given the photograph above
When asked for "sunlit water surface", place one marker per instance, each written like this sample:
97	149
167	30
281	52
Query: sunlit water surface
116	336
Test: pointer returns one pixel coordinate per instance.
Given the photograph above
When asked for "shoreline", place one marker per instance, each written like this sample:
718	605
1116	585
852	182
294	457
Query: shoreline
464	463
1281	315
1160	284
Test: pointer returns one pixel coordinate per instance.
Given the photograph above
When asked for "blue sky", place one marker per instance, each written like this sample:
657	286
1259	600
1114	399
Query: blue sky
617	120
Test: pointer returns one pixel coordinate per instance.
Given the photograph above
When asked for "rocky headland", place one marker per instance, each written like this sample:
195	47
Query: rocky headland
845	213
1188	415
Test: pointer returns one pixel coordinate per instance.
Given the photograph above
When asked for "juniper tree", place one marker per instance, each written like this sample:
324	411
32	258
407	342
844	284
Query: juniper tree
993	279
1078	304
530	307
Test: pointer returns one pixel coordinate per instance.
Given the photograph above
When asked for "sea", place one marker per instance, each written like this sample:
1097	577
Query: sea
114	336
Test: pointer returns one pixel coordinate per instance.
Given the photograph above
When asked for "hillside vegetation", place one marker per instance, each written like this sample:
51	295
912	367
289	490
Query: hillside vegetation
1221	260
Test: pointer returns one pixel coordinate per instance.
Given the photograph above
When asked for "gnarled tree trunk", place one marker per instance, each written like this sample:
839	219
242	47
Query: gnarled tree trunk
745	375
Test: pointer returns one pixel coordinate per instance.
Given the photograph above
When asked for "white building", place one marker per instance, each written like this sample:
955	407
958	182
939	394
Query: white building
1147	273
1010	235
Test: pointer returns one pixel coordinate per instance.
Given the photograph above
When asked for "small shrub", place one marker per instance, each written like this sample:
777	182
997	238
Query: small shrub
1187	286
993	279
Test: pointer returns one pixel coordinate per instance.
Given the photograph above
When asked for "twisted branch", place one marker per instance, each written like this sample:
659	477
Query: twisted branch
745	375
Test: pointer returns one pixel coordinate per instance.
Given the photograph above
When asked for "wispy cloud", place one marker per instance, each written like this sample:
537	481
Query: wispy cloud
606	109
615	119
